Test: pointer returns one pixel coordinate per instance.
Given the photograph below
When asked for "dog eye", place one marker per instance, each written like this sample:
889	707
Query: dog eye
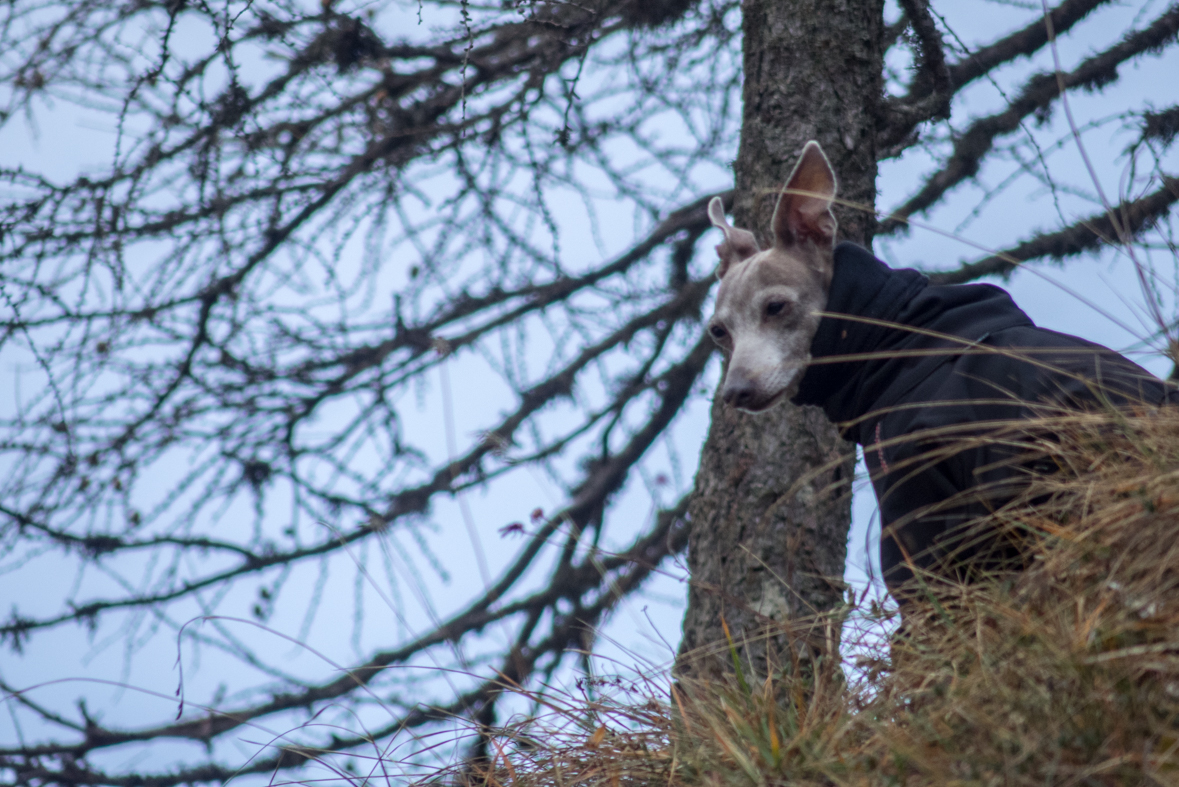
718	332
774	308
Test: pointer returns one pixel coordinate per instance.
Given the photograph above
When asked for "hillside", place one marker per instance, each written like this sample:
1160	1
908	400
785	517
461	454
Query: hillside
1065	673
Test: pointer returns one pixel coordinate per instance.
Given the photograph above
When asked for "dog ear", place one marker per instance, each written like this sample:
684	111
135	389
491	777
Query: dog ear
738	245
801	217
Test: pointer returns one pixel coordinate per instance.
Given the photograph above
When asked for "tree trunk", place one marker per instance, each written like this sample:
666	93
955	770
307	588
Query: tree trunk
760	552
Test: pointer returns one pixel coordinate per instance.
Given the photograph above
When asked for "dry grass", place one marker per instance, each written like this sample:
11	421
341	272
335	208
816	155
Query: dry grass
1064	674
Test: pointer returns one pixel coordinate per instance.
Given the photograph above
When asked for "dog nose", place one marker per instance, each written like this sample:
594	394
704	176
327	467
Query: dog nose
738	393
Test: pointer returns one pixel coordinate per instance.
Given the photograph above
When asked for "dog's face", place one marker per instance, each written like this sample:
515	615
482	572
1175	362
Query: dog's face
767	308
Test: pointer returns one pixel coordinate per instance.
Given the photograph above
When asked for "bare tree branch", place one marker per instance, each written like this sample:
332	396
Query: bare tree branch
923	103
972	145
905	113
1087	235
635	564
684	304
933	79
1161	126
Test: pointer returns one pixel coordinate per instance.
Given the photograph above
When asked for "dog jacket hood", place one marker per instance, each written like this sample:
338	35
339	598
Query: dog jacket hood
898	328
930	372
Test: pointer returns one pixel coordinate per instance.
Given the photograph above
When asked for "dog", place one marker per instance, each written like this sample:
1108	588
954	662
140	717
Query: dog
925	377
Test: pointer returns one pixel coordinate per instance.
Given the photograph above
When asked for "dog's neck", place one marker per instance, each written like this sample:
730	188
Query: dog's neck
893	320
871	294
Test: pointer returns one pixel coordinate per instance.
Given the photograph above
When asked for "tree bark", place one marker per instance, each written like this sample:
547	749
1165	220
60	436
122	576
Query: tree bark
763	552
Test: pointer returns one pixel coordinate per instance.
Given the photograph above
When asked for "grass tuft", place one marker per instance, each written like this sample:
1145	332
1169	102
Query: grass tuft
1064	673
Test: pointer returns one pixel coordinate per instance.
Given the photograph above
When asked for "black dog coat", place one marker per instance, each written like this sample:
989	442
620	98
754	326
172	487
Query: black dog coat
942	363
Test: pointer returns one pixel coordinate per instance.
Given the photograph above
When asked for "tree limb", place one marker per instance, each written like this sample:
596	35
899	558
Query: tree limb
635	564
932	79
905	113
972	146
1086	235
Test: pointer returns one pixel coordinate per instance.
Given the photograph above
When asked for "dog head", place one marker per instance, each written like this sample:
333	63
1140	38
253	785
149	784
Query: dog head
767	308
